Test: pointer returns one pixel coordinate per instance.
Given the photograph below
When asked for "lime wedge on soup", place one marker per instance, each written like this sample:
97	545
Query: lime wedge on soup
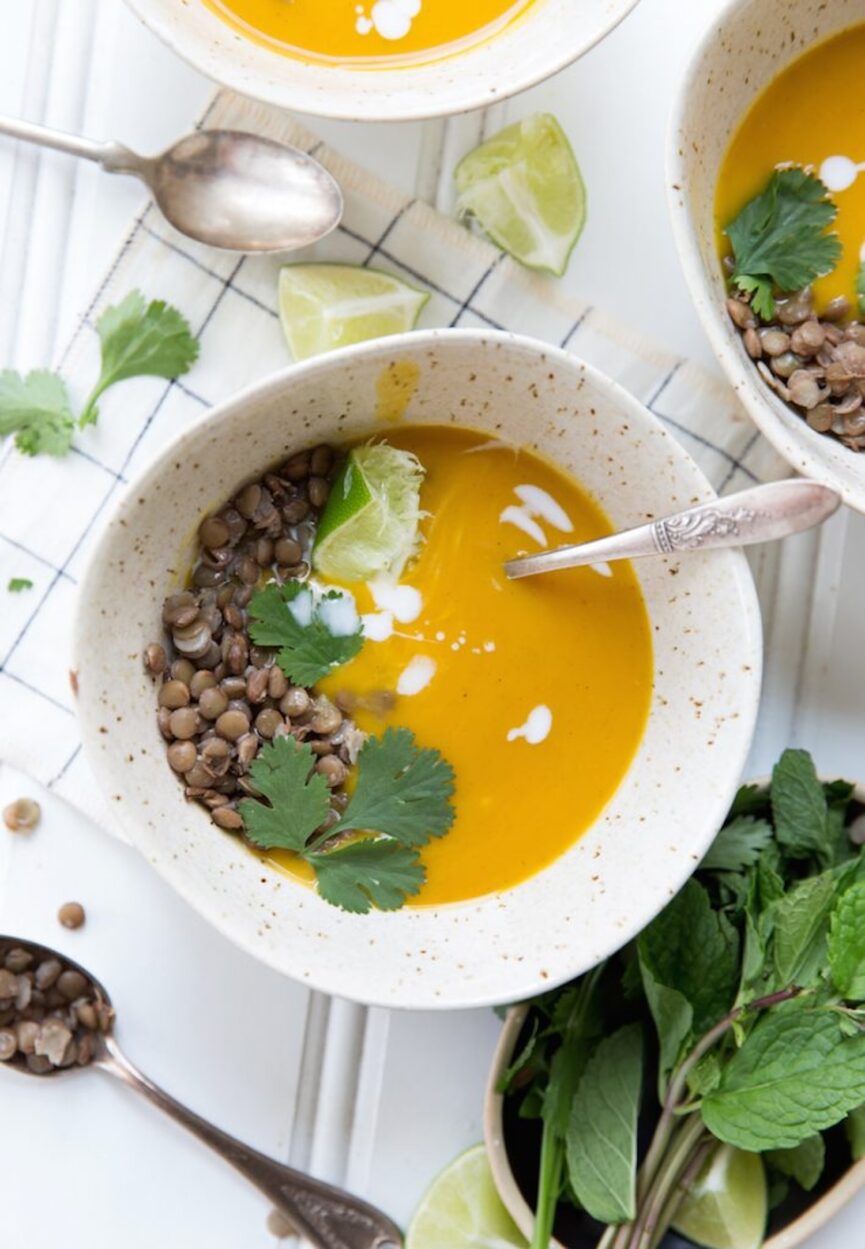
369	527
462	1210
525	189
726	1206
323	306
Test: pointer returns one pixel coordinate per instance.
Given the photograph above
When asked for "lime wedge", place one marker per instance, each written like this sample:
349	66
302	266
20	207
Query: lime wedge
525	188
462	1210
727	1205
370	524
326	306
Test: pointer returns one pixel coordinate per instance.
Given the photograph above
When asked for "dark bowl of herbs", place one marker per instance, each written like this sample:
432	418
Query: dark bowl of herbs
705	1085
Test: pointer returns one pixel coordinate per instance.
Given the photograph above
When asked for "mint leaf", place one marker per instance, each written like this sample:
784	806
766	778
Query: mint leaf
601	1139
308	648
796	1074
138	339
778	238
522	1060
674	1019
695	950
36	410
801	925
847	943
804	1163
372	872
401	790
799	808
17	584
738	845
299	797
855	1129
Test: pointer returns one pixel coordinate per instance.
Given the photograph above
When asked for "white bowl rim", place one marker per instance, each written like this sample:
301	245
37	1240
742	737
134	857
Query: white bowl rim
463	996
744	378
373	107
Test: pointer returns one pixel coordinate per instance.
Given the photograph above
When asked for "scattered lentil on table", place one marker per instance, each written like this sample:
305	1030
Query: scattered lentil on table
72	915
22	816
219	695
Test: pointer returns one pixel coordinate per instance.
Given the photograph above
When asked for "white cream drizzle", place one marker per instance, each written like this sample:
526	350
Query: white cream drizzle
536	728
339	615
416	676
404	601
536	504
838	173
391	19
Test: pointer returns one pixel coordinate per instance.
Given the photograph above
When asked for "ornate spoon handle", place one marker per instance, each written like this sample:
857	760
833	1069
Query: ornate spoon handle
761	514
326	1217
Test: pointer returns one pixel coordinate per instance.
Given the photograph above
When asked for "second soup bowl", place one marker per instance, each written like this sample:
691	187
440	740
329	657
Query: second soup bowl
706	643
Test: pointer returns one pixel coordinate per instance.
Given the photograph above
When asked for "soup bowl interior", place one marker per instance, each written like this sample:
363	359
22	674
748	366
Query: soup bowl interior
707	655
750	45
550	35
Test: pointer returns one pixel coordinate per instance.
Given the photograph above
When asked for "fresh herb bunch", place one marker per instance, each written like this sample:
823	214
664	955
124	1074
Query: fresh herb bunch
752	981
136	339
402	799
779	238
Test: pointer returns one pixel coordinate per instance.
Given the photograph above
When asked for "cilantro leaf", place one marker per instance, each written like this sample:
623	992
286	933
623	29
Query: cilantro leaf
779	240
799	808
796	1074
17	584
36	410
602	1133
372	872
847	943
804	1163
298	796
138	339
402	790
308	651
674	1018
738	845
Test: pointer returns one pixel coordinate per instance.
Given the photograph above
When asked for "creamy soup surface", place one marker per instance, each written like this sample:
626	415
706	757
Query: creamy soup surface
812	114
374	31
536	691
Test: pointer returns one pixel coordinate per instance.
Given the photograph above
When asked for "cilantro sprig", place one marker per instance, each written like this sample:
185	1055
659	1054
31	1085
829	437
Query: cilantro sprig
401	800
308	649
136	339
779	238
17	584
753	982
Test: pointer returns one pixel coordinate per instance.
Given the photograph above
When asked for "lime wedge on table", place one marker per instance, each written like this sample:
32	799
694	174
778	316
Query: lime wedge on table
326	306
525	188
370	523
462	1210
727	1205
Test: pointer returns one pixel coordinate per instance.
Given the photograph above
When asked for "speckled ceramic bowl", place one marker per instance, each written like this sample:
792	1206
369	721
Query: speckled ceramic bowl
707	656
820	1206
742	52
546	39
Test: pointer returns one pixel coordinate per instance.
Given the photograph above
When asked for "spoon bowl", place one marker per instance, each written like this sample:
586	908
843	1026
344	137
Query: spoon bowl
244	192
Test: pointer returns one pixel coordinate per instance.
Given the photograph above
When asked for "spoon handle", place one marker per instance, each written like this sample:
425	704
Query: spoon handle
324	1215
112	156
761	514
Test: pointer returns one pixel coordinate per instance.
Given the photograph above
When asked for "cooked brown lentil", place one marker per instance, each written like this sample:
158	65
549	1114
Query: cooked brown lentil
51	1014
71	915
220	697
22	816
815	364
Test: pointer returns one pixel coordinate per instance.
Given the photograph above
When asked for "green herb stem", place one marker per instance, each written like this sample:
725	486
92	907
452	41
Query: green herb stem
683	1144
549	1186
677	1196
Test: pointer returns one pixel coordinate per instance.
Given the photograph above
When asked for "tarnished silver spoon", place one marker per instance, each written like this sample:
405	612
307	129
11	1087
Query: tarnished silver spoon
230	189
325	1216
761	514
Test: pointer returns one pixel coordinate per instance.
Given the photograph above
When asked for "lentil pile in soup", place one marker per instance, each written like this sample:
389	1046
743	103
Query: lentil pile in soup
368	31
535	691
809	342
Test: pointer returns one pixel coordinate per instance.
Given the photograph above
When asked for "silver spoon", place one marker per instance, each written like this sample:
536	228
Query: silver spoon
761	514
227	188
327	1217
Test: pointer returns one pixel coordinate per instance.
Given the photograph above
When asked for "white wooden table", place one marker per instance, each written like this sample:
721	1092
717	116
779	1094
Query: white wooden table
376	1101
